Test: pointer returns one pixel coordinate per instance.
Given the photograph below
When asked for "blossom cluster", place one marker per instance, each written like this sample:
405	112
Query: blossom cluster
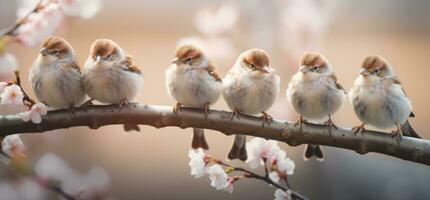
261	153
46	15
12	95
214	23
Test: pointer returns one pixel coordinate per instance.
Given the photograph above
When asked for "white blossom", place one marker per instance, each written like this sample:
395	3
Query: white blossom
22	189
281	195
52	167
35	113
12	144
258	149
95	183
8	65
216	21
274	176
285	164
3	86
197	163
217	176
12	96
81	8
40	25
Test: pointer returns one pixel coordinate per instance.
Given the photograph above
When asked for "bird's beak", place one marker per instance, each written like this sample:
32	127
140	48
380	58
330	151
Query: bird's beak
175	60
44	51
265	69
98	58
364	72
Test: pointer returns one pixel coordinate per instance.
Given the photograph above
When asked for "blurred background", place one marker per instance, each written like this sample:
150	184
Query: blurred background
153	164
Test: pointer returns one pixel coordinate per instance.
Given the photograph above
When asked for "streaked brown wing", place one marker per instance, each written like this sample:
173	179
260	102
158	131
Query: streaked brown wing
76	66
131	66
333	77
211	70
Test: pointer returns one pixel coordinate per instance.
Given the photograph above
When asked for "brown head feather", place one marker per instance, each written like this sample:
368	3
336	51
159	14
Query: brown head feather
187	51
373	62
53	43
313	59
256	57
103	48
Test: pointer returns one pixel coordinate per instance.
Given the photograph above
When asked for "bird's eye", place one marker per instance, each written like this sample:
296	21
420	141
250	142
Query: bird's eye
56	52
376	71
188	60
253	67
109	57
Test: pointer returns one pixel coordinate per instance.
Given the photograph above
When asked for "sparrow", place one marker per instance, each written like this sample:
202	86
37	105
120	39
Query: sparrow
192	81
111	76
379	99
55	76
315	94
250	87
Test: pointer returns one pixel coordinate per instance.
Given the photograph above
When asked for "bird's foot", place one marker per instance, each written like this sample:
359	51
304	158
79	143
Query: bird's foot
359	128
330	125
266	119
398	133
177	107
72	110
300	122
205	110
123	103
236	113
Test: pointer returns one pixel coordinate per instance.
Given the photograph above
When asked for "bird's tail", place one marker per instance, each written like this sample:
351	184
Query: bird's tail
407	130
238	149
131	127
199	140
313	150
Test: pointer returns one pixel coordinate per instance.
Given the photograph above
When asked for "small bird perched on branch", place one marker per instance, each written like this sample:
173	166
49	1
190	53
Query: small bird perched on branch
55	76
315	94
111	76
250	87
379	99
192	81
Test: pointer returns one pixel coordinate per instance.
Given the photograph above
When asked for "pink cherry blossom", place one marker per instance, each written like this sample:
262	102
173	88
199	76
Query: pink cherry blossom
12	144
81	8
215	21
35	113
8	65
217	176
197	163
274	176
259	149
12	96
281	195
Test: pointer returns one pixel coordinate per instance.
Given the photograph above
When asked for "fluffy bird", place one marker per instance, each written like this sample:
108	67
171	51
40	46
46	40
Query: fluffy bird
379	99
192	81
315	94
55	76
110	75
250	87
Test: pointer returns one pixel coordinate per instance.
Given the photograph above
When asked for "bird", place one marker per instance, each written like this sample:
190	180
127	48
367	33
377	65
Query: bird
250	87
315	94
191	81
55	76
111	76
379	100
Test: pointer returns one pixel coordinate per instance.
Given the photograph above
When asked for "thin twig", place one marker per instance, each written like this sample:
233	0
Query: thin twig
12	30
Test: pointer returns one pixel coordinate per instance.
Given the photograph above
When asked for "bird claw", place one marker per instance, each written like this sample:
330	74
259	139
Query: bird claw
266	119
299	123
330	124
205	110
398	134
177	107
357	129
123	103
235	113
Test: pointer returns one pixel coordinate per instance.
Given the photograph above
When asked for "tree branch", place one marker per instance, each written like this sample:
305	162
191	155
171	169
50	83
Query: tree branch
412	149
